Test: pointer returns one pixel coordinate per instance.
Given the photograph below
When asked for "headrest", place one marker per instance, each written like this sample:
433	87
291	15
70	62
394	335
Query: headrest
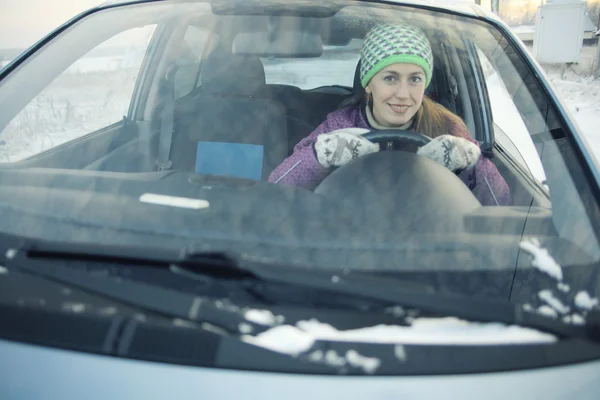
232	74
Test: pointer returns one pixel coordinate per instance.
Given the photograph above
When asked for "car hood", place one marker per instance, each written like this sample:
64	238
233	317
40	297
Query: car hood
37	372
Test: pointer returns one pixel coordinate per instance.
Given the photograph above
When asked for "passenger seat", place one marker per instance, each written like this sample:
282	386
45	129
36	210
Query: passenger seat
228	128
297	111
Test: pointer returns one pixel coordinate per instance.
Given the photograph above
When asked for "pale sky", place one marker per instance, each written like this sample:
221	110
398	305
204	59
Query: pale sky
24	22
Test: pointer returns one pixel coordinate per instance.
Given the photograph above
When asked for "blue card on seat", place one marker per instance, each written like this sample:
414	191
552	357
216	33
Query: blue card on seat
230	159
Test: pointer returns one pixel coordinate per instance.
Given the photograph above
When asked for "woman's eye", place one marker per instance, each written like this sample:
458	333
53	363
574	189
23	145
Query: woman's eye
416	79
389	78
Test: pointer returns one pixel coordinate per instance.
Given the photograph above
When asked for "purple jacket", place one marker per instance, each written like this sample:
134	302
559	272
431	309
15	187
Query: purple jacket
302	168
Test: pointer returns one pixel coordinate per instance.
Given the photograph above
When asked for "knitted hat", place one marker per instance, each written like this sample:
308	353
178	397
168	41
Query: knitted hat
390	44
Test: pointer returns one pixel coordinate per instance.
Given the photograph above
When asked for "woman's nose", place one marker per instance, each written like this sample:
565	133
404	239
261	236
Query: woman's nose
402	90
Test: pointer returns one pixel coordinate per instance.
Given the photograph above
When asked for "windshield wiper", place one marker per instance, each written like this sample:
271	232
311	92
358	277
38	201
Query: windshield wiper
354	285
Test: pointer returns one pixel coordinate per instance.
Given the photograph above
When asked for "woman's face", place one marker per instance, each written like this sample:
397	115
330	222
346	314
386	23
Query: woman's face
397	93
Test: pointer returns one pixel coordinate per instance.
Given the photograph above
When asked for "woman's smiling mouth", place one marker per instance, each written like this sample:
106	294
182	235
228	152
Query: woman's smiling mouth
399	108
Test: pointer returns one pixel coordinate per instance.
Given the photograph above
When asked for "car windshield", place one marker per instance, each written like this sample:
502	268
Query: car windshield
335	135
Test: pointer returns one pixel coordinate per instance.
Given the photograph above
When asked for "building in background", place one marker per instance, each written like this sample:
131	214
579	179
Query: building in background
522	12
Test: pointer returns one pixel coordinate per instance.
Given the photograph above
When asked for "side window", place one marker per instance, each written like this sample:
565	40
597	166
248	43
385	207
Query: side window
510	129
196	44
92	93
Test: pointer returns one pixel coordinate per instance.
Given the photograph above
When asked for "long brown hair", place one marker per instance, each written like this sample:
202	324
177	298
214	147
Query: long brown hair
433	119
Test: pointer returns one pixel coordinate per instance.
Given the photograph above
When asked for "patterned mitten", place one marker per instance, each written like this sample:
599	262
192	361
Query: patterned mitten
454	153
337	148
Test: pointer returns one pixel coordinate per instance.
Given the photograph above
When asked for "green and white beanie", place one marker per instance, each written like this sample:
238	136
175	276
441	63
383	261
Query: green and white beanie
389	44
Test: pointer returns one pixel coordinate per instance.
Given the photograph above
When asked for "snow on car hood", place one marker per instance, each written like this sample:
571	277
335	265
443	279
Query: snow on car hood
300	338
296	339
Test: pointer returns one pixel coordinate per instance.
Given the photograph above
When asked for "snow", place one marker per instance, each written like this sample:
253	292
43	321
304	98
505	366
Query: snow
577	319
582	97
316	356
226	305
523	29
72	106
542	260
263	317
352	358
399	352
297	339
584	301
183	323
334	359
581	93
283	339
563	287
92	93
11	253
396	311
245	328
556	304
107	311
369	365
547	311
574	319
73	307
3	270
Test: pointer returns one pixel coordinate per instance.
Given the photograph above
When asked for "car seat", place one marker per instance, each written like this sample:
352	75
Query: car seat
226	128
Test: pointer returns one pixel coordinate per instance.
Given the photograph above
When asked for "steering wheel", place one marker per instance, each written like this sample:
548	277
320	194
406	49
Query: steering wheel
398	192
408	136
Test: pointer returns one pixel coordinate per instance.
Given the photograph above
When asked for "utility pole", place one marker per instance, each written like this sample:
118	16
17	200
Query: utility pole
597	64
597	67
496	7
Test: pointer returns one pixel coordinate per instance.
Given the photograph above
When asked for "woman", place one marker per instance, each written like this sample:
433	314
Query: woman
395	69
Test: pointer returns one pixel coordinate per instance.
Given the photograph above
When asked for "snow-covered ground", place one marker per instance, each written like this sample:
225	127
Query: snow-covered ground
582	96
92	93
73	105
581	93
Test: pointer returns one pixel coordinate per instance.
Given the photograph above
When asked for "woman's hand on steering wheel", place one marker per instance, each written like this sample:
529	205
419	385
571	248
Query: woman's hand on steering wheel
341	146
454	153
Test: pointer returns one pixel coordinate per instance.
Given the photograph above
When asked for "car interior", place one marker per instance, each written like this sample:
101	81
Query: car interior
277	116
